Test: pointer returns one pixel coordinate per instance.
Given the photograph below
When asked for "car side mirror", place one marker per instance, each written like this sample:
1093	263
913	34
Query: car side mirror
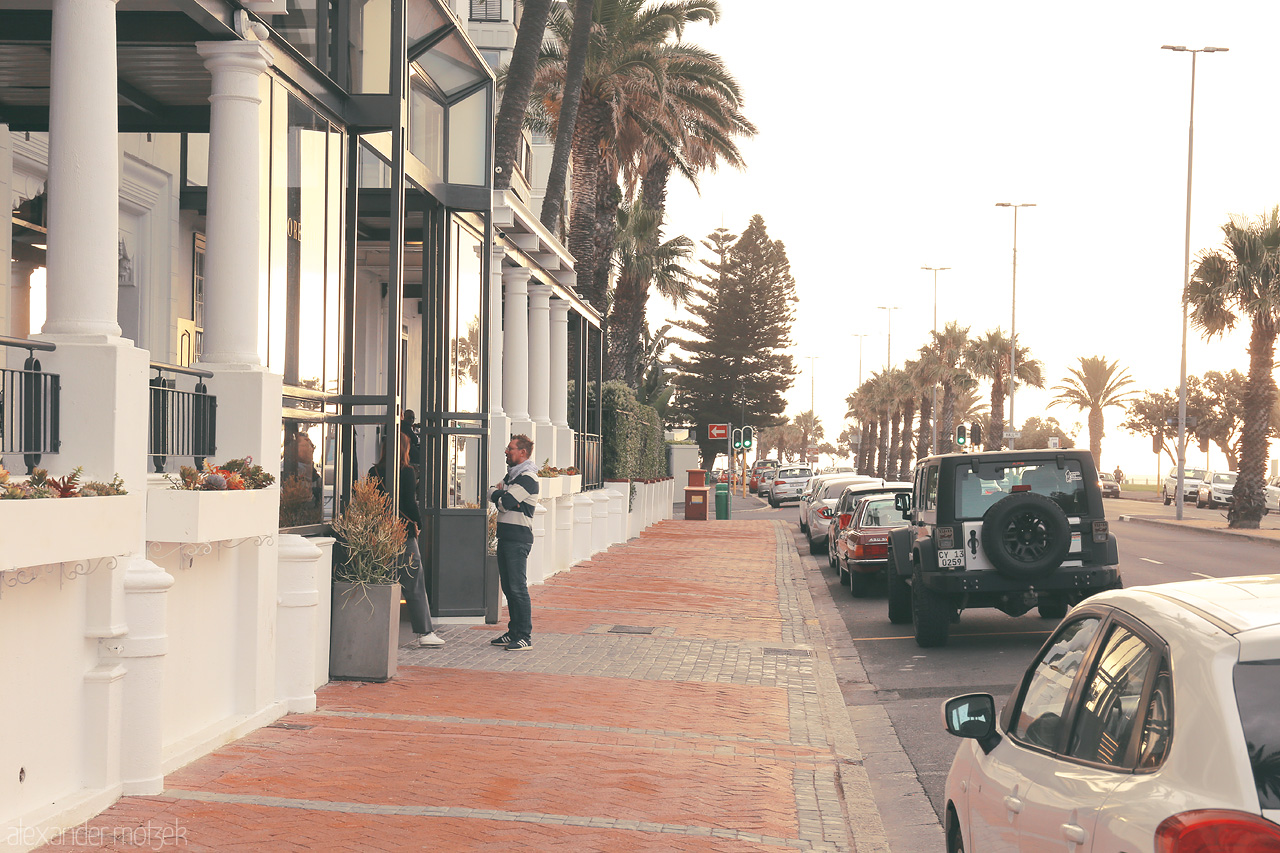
972	716
902	502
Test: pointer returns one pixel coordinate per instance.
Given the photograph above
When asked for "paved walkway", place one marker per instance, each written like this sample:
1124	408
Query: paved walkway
679	697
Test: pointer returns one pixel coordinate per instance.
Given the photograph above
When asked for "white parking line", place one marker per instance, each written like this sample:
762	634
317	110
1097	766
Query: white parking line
1149	560
1203	575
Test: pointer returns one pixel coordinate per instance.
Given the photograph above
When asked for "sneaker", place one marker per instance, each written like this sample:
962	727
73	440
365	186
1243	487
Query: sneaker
519	645
500	641
432	639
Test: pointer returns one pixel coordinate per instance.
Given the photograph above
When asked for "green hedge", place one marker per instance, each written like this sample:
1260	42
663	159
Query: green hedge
633	436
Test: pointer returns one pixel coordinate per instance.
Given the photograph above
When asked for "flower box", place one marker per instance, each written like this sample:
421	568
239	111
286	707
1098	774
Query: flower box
549	488
574	484
179	515
63	530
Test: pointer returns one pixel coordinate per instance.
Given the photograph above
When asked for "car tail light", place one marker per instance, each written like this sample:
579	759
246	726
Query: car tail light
826	512
1100	529
858	549
1217	831
845	518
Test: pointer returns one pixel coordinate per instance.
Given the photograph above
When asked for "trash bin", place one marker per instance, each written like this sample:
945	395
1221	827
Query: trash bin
722	501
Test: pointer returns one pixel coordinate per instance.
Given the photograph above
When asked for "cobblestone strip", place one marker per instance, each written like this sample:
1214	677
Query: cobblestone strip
495	814
840	802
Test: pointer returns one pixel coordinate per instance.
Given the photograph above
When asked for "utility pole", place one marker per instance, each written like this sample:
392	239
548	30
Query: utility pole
933	448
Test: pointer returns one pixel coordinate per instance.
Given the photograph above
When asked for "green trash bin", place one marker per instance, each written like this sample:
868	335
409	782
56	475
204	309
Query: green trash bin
722	501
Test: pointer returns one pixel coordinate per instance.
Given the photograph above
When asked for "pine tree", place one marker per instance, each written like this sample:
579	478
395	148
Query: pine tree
735	352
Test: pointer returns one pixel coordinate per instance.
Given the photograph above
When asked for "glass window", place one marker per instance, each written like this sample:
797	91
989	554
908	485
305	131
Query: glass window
881	512
465	321
426	127
1044	700
469	124
931	488
1257	686
980	486
464	470
1158	726
486	10
1109	706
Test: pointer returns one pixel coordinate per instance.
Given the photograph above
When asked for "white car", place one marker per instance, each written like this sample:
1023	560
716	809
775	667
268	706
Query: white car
1147	722
787	484
822	507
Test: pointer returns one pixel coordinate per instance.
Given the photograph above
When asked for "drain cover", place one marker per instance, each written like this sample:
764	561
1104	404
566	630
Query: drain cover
793	653
631	629
297	727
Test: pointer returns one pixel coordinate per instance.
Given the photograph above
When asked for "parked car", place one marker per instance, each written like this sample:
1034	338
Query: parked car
1190	483
757	469
842	514
765	482
1215	489
1145	724
1110	488
805	496
821	507
787	484
863	549
1010	529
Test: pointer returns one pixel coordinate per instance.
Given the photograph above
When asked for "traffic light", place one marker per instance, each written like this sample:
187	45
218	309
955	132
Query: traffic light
748	437
961	438
737	438
975	434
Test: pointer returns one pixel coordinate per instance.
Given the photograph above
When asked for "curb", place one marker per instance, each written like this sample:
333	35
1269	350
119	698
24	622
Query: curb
1212	531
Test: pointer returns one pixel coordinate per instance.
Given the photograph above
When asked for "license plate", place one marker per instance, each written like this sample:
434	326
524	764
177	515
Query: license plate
953	559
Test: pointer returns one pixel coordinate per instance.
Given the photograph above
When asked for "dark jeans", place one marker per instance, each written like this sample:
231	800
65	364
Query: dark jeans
512	572
413	583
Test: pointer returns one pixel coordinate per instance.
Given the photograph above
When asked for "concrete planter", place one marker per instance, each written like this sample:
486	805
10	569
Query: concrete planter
573	483
364	631
550	487
178	515
64	530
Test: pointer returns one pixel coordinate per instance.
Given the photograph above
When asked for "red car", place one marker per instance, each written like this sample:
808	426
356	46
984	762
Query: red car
861	549
758	469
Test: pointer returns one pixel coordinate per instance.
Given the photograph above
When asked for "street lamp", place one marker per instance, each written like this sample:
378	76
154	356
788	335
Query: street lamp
860	337
888	347
933	448
1186	268
1013	320
811	358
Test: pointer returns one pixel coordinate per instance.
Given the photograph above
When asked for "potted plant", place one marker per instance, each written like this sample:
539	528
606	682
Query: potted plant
234	500
549	485
575	480
366	590
46	519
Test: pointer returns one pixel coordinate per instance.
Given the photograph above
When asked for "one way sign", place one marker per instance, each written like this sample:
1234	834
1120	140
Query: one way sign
717	431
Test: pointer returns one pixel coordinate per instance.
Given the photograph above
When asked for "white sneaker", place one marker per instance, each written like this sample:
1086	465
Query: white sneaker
432	639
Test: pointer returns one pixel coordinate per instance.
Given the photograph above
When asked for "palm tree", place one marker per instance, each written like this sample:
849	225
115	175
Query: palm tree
912	393
988	358
810	428
944	364
1092	387
924	385
1244	282
897	391
518	78
861	405
574	72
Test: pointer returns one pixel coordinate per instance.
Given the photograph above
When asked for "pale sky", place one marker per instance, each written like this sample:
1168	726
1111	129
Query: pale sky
885	146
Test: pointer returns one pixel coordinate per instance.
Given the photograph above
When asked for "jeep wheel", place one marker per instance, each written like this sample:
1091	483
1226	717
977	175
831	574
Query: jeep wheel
814	547
899	598
931	614
861	584
1167	500
1025	536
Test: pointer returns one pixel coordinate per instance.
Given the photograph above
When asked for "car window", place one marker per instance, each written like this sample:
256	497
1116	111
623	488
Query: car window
1109	705
1158	728
931	489
881	512
1039	720
1224	479
980	486
833	492
793	472
1257	686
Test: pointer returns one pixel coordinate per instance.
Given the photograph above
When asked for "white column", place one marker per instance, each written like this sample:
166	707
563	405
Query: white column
599	521
84	173
498	254
297	611
248	396
142	652
20	298
232	223
540	370
538	570
582	507
515	350
559	378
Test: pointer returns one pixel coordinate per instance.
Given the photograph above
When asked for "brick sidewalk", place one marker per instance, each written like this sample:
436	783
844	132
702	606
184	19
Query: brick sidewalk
678	697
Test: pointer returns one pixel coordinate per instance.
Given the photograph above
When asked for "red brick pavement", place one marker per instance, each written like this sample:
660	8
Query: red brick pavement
681	754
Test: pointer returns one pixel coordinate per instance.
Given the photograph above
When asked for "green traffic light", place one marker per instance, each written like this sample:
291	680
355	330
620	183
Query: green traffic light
748	436
961	438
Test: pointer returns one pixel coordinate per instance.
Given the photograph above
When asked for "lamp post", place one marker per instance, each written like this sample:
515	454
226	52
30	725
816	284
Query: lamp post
1013	320
888	347
1186	269
933	446
812	359
860	337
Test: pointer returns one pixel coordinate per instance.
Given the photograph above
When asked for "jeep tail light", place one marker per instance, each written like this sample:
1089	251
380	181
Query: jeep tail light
1217	831
1100	529
946	537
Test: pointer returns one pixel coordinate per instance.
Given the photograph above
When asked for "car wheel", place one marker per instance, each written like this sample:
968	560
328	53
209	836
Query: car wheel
832	560
955	837
814	547
1167	499
1026	536
931	614
1199	503
861	584
1052	608
773	503
804	528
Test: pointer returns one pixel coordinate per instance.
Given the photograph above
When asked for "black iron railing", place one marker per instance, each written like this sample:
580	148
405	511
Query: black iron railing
588	454
182	423
29	402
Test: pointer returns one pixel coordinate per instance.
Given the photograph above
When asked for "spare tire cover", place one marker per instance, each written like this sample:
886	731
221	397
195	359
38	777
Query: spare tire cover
1025	536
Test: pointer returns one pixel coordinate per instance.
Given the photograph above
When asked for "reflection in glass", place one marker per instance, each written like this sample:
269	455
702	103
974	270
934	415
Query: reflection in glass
1040	719
1105	723
426	127
464	471
465	322
468	132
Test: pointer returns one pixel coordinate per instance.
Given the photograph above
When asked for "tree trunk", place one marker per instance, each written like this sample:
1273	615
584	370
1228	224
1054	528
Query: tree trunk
626	314
592	115
1248	496
925	436
1095	435
515	100
904	459
866	464
995	441
946	435
575	71
605	232
882	460
895	444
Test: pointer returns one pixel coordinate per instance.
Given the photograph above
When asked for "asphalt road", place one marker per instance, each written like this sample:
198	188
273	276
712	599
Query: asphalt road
989	651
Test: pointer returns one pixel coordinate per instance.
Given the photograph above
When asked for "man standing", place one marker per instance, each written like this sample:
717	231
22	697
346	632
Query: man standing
513	496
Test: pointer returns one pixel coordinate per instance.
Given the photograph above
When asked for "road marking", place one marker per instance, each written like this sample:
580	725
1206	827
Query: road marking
1203	575
1148	560
991	634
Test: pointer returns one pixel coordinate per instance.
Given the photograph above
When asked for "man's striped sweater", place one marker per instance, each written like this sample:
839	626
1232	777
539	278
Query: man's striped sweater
514	500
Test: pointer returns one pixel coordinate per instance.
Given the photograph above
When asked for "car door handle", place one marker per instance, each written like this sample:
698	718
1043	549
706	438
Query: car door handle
1013	804
1074	833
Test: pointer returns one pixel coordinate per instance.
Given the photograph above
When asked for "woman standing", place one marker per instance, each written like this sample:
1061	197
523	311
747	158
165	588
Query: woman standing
413	580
